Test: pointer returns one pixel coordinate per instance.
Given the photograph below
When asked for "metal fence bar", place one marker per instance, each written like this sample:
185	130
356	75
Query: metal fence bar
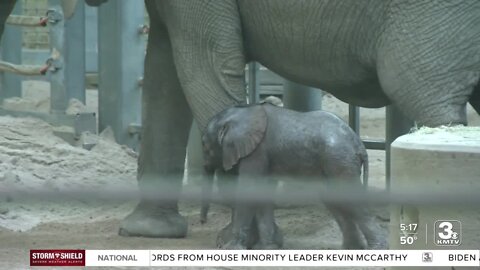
58	90
63	85
354	118
374	144
121	57
91	36
253	83
12	52
75	54
301	97
314	194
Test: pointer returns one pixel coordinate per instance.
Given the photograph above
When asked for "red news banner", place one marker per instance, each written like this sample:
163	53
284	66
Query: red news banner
149	258
57	257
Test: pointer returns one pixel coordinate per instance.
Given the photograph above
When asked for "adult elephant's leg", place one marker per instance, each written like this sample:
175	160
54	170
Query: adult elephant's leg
429	66
166	121
209	57
6	7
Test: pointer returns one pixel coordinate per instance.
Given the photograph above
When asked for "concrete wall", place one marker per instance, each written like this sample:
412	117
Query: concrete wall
436	160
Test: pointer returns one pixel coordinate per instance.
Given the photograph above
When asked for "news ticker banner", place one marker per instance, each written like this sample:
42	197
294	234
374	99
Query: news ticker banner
149	258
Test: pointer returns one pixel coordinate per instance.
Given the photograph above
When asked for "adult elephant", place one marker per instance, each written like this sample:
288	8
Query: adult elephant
423	56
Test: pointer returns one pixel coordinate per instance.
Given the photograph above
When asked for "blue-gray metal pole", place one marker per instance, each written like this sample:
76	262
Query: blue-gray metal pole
300	97
11	46
253	83
91	36
75	57
354	118
121	57
58	90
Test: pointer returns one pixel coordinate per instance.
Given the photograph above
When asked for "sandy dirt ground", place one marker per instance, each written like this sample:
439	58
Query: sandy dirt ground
33	158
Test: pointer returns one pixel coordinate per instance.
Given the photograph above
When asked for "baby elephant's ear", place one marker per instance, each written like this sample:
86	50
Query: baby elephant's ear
244	132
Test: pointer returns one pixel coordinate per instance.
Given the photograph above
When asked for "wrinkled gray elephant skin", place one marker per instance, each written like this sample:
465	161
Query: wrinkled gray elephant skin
264	142
422	56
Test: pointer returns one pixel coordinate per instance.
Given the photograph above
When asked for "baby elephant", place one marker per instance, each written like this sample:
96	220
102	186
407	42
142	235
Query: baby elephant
263	143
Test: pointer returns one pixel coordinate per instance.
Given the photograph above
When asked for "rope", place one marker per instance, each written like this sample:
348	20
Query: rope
29	70
29	21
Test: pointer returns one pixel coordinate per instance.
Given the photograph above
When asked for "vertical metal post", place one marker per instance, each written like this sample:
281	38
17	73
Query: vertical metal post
253	83
58	90
121	57
11	47
397	125
91	38
75	57
354	118
300	97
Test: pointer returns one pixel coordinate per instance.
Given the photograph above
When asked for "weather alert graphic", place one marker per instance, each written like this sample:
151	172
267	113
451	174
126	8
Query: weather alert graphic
57	257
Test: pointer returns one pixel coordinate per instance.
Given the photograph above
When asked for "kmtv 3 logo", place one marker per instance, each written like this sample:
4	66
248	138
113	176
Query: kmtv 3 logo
448	233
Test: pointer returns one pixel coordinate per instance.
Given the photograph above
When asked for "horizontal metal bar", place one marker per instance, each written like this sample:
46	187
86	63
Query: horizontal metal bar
423	195
374	144
134	128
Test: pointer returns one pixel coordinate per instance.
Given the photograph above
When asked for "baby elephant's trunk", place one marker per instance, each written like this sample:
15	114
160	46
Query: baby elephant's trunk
207	186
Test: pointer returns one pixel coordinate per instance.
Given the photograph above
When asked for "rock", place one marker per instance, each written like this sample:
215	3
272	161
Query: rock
75	106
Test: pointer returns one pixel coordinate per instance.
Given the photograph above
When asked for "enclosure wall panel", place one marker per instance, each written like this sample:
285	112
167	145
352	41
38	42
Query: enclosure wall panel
11	51
121	50
442	160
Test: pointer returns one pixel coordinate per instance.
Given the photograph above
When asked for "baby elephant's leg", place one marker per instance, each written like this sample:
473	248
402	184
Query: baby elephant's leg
270	236
227	182
225	236
352	237
249	193
356	221
375	235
